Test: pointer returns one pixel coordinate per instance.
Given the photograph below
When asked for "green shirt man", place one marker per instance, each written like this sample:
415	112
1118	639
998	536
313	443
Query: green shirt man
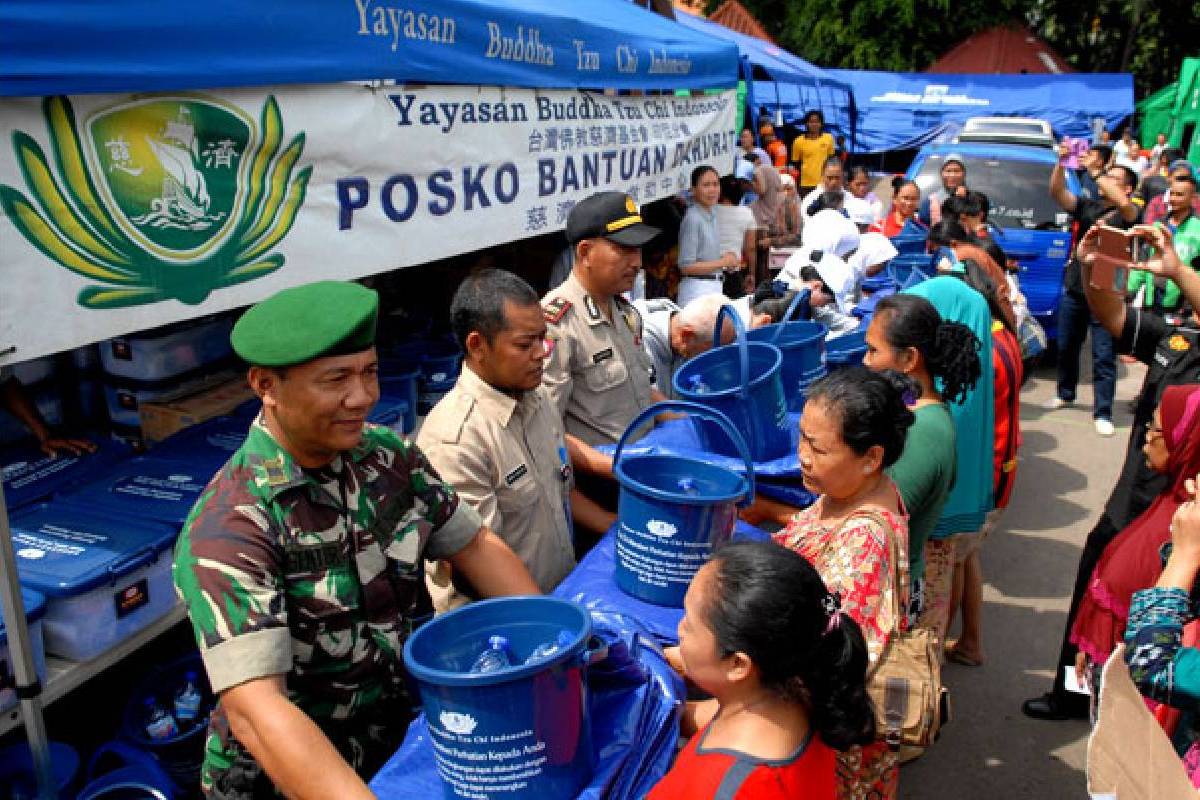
302	563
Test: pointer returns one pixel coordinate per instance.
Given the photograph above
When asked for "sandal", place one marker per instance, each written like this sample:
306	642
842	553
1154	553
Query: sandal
952	654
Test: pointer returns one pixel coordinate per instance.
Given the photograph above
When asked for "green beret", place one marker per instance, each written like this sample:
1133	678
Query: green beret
327	318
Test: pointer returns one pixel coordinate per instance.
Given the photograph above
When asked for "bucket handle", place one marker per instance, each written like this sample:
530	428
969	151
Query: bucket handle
119	754
740	340
801	296
735	436
595	651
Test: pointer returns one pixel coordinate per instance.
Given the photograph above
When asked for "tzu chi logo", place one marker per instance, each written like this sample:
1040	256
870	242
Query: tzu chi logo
660	528
159	198
455	722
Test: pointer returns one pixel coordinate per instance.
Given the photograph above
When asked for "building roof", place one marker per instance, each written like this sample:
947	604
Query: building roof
732	15
1006	49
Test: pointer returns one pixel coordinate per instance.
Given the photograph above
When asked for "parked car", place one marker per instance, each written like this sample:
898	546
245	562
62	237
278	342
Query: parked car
1007	130
1026	222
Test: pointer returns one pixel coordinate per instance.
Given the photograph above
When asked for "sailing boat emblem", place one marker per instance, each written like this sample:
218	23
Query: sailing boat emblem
161	198
171	166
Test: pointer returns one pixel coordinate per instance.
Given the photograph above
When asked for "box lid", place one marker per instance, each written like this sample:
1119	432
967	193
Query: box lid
29	475
35	607
208	444
64	550
148	487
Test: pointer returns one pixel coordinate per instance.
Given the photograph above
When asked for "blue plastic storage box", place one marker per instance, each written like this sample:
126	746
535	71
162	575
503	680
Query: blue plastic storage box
35	609
105	578
208	444
168	353
31	476
125	397
145	488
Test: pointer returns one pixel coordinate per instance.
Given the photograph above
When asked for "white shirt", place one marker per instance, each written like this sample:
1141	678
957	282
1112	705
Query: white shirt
732	224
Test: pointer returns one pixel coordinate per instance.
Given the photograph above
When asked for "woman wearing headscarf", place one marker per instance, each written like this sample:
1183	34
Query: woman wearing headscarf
1132	560
769	208
971	498
873	254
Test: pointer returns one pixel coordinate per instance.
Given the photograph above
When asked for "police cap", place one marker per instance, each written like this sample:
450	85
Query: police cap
611	215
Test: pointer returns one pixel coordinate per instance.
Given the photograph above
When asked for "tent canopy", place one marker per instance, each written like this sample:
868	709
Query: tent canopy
150	45
903	110
1155	113
783	80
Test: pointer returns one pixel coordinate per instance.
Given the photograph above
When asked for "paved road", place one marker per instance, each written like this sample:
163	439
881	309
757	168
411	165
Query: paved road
991	750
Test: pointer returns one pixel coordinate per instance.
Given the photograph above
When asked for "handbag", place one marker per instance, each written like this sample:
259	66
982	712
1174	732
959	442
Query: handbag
905	683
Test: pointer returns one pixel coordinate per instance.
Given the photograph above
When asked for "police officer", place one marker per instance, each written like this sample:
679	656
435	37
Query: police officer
497	438
597	374
671	335
301	564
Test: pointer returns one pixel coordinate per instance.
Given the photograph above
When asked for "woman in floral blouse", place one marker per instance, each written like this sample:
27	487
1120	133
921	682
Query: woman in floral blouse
853	428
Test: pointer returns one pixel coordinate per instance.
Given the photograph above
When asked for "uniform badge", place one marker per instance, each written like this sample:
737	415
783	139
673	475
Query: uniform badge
276	475
592	310
603	355
630	206
555	310
1178	343
516	475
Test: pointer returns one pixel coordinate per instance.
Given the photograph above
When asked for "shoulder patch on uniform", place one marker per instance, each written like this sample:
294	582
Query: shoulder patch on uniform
556	309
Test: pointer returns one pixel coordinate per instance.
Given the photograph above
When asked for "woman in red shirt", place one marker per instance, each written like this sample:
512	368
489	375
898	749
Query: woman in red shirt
787	670
906	196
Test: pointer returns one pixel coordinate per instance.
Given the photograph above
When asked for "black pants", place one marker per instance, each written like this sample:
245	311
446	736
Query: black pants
1104	532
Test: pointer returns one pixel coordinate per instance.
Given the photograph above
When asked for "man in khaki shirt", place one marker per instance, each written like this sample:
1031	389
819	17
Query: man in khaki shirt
497	439
598	375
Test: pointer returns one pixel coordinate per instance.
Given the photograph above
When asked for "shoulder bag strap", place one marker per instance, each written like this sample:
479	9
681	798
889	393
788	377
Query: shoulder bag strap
893	555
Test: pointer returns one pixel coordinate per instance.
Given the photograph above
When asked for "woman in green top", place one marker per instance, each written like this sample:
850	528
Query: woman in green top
908	335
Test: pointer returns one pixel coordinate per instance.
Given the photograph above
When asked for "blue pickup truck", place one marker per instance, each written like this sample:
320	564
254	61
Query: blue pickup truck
1028	225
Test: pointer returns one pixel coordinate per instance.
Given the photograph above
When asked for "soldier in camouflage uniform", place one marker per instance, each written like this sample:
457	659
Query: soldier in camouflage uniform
302	563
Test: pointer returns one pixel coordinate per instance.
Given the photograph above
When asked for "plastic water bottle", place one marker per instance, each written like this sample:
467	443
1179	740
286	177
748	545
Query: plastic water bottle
547	649
496	657
188	700
159	723
698	385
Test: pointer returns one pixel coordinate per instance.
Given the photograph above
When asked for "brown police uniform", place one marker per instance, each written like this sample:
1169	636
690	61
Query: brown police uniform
507	459
597	374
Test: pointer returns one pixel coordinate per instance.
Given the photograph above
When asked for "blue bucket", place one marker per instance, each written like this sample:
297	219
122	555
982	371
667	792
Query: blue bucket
522	732
802	345
19	778
118	771
847	350
742	381
440	359
398	379
673	511
181	755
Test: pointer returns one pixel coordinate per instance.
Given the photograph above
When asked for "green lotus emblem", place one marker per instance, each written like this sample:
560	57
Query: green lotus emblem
171	199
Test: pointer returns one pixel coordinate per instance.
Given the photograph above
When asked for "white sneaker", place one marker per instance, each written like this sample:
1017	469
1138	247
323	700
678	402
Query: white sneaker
1055	403
1104	427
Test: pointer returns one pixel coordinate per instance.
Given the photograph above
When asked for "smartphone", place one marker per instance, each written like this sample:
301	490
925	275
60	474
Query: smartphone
1114	259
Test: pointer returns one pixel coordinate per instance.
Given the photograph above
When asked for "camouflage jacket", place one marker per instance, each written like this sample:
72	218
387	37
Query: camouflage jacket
313	574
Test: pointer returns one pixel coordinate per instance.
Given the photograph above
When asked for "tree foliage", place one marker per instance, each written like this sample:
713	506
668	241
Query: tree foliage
1146	37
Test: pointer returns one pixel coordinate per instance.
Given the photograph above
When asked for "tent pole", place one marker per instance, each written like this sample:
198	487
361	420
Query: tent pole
28	687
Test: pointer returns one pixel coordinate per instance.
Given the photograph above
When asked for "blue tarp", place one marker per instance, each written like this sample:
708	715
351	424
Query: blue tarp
897	111
776	73
80	46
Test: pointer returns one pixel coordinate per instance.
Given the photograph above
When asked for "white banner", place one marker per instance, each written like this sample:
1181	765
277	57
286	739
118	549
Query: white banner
125	212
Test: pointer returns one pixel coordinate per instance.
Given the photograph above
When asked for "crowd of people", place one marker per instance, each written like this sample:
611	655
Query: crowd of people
324	540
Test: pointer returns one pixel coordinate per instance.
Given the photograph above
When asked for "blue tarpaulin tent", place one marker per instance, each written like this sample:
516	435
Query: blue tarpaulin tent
149	45
777	78
905	110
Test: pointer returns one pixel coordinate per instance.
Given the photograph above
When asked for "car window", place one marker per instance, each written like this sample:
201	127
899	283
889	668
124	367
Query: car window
1018	191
